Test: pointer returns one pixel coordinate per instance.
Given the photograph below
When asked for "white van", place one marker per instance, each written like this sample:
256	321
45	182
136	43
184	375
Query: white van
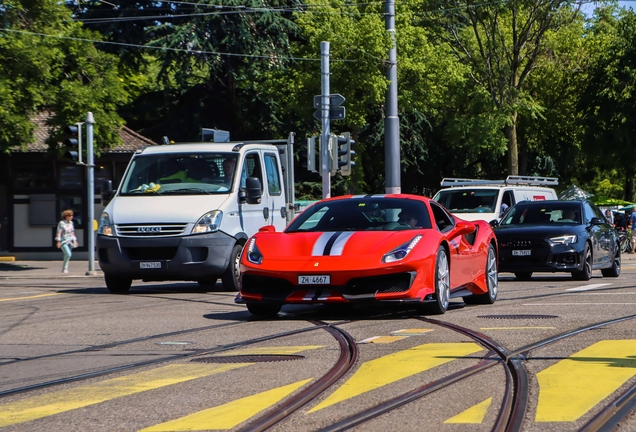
185	211
472	199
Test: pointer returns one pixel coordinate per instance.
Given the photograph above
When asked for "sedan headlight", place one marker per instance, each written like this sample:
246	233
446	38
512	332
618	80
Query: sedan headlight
105	226
563	240
400	252
209	222
254	255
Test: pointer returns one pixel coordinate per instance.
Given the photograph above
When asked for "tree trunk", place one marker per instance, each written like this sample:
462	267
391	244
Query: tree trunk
513	147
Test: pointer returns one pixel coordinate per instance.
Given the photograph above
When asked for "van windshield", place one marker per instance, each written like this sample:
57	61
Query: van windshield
466	200
180	174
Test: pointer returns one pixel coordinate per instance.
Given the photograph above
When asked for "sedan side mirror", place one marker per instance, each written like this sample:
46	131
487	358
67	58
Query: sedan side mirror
597	221
493	223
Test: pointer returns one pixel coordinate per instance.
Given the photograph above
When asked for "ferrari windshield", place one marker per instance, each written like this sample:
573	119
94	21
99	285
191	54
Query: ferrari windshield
363	214
542	213
466	200
180	174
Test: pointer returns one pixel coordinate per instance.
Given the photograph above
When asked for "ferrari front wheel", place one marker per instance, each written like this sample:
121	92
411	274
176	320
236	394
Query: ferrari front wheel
269	310
442	284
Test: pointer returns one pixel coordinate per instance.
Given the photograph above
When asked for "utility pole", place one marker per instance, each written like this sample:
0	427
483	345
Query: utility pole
391	119
325	153
90	195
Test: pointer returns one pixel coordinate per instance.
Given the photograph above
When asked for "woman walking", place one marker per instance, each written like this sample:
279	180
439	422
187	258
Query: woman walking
65	237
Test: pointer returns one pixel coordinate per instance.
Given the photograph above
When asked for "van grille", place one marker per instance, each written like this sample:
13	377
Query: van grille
150	230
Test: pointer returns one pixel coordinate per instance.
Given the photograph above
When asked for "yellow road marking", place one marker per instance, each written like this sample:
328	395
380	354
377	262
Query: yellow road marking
474	415
79	397
229	415
28	297
411	332
516	328
394	367
271	350
573	386
382	339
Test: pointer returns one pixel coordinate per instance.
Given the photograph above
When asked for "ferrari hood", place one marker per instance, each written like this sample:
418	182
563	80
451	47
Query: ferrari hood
353	244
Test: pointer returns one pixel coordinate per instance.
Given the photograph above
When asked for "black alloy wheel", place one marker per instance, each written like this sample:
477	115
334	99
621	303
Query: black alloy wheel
615	269
585	273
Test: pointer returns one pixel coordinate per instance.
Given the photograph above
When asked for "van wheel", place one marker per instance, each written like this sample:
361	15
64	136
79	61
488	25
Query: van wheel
207	284
231	274
116	284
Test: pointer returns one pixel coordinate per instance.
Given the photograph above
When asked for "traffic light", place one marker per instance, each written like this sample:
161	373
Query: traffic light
308	154
341	154
74	142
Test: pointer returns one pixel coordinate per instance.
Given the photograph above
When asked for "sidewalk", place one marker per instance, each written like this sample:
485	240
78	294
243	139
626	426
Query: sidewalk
46	269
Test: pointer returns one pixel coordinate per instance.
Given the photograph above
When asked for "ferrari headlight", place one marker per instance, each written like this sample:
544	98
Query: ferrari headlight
254	255
563	240
209	222
400	252
105	226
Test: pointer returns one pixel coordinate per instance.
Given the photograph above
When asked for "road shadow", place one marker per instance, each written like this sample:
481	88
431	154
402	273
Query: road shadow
11	267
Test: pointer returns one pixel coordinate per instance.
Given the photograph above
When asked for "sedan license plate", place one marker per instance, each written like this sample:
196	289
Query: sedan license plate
150	265
314	280
522	252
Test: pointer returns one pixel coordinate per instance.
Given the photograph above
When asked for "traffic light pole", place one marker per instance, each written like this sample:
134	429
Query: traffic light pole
325	106
391	119
90	195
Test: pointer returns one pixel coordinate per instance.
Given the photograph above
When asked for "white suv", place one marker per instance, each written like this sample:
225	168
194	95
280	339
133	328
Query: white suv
472	199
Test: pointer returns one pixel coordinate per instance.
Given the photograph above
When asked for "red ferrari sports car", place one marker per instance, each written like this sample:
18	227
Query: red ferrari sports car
371	248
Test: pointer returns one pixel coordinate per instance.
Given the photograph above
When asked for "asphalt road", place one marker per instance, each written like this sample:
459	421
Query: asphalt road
170	356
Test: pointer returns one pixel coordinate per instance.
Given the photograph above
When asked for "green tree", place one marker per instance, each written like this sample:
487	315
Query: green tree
50	63
608	100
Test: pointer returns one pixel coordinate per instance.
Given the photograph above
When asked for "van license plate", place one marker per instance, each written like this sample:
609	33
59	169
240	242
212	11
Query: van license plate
150	265
523	252
314	280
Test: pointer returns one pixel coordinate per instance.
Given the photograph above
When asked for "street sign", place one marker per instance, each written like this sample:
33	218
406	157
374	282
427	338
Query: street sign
334	100
335	113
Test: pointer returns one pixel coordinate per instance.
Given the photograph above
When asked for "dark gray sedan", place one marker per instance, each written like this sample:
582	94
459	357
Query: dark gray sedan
557	236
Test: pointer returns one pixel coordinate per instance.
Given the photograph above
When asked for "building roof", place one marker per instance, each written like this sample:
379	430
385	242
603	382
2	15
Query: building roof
132	141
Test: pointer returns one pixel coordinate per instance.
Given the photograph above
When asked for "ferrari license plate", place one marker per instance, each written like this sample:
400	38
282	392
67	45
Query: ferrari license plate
522	252
314	280
150	265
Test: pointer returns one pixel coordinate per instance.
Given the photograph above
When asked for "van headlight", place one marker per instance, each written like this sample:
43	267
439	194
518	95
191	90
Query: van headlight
105	226
209	222
400	252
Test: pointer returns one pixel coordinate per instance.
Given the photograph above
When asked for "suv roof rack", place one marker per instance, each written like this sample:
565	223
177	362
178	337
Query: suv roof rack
510	180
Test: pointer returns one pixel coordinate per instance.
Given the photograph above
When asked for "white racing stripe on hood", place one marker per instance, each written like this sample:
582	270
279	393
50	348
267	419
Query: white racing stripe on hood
319	246
338	246
331	243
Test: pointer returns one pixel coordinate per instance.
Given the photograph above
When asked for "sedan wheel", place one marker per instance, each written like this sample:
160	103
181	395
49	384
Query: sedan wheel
442	285
492	281
615	269
586	273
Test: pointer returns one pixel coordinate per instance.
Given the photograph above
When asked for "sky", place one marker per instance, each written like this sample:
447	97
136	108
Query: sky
588	8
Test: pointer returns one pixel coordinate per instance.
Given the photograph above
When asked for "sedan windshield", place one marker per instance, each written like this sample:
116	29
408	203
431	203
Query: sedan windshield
542	213
180	174
363	214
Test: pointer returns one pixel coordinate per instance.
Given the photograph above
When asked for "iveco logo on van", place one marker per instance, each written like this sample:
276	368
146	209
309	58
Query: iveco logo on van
149	229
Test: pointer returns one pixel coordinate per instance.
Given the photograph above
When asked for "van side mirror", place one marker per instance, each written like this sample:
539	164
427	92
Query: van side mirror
107	192
251	193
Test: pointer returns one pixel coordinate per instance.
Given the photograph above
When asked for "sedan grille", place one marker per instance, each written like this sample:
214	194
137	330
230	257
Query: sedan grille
522	243
150	230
